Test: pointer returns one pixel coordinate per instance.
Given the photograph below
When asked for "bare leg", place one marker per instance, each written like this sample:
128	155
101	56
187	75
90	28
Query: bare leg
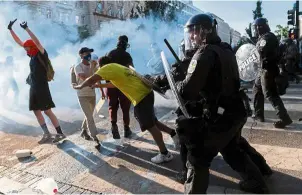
52	117
158	138
163	127
39	117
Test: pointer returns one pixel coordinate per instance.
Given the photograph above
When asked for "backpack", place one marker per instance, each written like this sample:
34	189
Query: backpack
48	66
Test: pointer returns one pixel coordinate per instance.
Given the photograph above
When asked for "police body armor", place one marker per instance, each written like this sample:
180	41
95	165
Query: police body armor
206	112
269	50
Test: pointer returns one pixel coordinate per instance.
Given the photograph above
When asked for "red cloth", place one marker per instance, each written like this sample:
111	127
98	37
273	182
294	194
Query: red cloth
33	47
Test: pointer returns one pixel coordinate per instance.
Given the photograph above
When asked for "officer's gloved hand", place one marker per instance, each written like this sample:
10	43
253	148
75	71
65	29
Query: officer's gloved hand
165	88
147	76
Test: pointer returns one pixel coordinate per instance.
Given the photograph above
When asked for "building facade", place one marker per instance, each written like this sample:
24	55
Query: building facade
93	13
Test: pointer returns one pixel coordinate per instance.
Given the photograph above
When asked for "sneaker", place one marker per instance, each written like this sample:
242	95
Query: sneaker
58	138
160	158
282	123
46	137
97	142
175	139
85	135
127	132
115	133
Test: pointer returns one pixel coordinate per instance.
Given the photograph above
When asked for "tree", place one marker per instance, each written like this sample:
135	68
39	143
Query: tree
257	13
162	10
281	31
83	32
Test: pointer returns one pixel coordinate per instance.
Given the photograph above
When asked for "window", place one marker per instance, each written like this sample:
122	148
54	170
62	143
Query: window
99	7
39	11
100	23
61	17
110	12
83	19
121	12
48	13
81	4
66	17
77	19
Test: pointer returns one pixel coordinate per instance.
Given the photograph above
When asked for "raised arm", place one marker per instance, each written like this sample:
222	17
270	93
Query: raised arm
14	35
33	37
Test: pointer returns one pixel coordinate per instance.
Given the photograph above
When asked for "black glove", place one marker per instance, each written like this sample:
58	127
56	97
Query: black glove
24	25
11	23
147	76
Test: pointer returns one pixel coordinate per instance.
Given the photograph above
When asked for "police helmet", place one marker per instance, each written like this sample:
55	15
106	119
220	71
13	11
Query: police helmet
260	22
200	26
204	20
260	26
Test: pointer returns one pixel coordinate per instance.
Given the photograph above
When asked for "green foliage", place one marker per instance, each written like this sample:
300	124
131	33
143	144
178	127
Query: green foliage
83	32
281	31
163	10
257	13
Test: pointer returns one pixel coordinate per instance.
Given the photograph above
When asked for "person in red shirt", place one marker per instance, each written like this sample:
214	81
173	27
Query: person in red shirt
39	94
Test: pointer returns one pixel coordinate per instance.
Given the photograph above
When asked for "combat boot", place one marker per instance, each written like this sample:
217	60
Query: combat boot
114	130
283	123
253	180
127	131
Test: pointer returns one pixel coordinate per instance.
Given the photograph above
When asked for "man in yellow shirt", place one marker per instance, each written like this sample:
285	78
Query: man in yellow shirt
141	96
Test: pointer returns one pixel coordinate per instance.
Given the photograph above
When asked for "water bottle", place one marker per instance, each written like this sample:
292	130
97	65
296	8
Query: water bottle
48	186
23	153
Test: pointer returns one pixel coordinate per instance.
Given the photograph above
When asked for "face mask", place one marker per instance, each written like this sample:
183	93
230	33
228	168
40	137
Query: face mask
88	57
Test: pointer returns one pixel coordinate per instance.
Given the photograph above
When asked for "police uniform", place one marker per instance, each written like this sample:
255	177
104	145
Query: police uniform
217	114
179	72
265	83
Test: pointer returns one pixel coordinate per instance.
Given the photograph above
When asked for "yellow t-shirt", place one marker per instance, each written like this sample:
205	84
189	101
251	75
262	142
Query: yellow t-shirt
125	80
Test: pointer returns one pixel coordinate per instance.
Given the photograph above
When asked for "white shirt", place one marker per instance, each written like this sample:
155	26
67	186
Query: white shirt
83	69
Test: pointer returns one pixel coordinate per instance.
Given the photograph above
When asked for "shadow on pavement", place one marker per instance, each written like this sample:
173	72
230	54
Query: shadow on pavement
121	177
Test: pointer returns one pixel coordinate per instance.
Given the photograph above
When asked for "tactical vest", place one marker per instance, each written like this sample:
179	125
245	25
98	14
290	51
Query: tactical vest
230	81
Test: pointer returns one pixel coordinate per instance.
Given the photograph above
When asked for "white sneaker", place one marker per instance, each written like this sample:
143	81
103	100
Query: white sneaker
46	137
175	139
160	158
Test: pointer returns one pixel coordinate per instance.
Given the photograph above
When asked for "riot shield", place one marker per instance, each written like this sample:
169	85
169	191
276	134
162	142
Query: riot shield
173	85
248	60
149	83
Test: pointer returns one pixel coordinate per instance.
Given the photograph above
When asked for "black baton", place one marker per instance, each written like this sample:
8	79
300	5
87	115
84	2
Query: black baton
172	51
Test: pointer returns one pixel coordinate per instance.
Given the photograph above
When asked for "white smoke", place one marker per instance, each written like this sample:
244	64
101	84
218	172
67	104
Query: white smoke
62	46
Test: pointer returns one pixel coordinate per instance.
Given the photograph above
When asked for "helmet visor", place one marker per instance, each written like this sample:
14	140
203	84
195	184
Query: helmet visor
192	37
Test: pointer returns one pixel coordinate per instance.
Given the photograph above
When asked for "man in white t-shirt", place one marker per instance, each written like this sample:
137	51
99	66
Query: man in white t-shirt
86	95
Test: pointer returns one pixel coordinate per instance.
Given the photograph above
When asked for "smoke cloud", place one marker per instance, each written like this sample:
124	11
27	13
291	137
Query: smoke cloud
62	46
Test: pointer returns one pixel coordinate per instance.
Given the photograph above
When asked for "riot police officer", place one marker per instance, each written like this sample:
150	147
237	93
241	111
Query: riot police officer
211	92
265	84
289	57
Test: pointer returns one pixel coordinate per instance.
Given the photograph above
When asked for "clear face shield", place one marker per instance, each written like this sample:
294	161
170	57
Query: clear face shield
155	49
181	50
194	36
254	31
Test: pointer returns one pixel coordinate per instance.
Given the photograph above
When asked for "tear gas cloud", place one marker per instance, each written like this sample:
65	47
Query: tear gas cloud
62	46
